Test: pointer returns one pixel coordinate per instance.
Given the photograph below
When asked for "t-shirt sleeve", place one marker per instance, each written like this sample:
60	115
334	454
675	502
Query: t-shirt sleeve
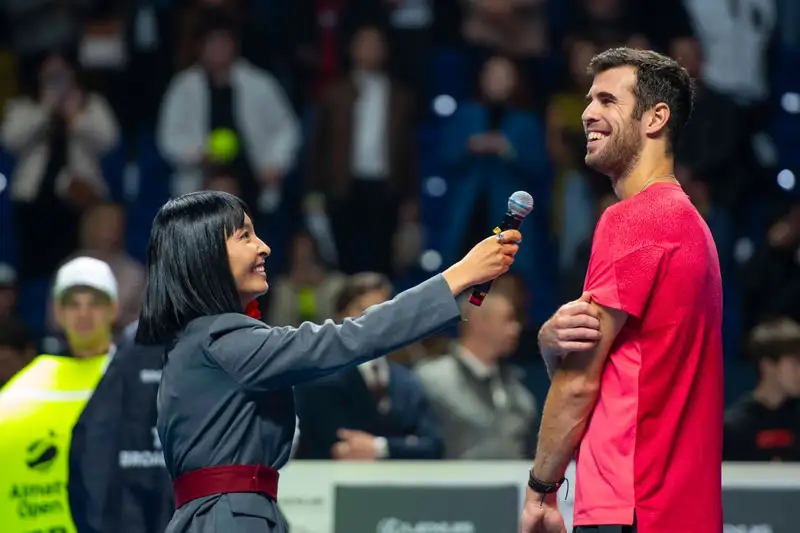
621	273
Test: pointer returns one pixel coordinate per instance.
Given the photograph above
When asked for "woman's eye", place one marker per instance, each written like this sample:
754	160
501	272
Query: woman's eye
245	235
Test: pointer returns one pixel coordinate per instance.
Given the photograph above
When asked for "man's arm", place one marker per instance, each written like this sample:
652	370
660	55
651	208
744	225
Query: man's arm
573	393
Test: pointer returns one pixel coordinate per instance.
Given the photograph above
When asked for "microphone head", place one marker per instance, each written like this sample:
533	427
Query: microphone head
520	204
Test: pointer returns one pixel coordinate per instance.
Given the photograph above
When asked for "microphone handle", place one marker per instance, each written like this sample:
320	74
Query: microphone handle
510	221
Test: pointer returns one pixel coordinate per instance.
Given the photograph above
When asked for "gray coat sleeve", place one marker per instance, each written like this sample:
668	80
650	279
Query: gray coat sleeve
261	358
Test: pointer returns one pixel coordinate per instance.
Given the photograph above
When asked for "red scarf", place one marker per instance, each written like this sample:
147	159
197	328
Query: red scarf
252	310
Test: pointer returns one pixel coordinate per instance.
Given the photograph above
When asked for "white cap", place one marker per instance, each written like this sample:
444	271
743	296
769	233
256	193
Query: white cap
85	272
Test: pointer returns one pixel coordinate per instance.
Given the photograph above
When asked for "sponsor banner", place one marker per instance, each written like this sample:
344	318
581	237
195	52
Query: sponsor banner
426	509
318	496
761	510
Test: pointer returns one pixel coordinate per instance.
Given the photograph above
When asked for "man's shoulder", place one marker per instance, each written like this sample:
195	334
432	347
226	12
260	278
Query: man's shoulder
441	369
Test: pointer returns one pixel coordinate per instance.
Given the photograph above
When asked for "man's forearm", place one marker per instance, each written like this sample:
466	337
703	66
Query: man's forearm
564	419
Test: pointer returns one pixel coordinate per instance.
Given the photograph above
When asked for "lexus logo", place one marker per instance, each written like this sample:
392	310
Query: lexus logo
395	525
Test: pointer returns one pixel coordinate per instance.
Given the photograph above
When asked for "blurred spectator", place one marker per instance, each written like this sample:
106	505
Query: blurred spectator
191	20
39	26
771	278
58	138
225	110
308	291
485	411
577	186
764	425
85	306
8	290
364	157
103	237
707	156
516	28
17	348
491	148
375	411
737	39
607	23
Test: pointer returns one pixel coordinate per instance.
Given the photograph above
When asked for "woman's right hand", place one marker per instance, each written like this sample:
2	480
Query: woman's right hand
486	261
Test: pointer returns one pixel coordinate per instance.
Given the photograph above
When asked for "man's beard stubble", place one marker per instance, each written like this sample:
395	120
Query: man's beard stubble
620	155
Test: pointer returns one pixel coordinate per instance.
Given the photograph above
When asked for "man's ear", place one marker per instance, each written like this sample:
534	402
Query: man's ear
656	119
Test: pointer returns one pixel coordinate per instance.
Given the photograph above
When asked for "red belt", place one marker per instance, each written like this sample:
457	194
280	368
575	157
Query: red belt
223	480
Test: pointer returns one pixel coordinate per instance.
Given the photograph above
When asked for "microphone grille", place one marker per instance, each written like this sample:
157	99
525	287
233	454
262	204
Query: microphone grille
520	203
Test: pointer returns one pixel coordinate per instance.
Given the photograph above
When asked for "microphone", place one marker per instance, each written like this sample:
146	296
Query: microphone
520	204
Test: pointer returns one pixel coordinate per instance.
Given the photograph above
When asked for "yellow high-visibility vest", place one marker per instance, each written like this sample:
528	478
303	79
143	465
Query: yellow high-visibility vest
39	408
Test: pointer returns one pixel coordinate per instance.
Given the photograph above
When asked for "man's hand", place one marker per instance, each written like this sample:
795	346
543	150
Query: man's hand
574	328
541	517
354	446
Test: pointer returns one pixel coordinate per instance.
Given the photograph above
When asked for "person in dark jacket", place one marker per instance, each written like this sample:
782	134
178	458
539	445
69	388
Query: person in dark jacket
377	410
118	482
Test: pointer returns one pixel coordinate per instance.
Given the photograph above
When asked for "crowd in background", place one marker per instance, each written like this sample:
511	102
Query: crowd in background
374	140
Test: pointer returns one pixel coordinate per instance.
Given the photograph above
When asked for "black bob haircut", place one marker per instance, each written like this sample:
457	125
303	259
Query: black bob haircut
658	79
188	273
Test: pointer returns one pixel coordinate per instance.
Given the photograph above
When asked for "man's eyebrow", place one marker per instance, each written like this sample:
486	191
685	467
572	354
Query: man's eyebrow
603	95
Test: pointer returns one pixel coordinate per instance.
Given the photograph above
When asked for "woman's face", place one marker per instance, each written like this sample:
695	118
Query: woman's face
498	79
246	255
56	74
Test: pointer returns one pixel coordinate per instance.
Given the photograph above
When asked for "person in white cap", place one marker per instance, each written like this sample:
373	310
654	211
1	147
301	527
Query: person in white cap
85	305
41	405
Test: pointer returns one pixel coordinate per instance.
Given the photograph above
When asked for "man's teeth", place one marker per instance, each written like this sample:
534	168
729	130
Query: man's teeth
595	136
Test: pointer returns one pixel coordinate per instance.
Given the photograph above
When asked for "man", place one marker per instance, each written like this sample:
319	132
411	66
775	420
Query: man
764	425
40	406
363	157
375	411
636	363
485	410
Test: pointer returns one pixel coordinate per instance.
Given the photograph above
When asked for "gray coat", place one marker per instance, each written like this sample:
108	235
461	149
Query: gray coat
226	392
473	426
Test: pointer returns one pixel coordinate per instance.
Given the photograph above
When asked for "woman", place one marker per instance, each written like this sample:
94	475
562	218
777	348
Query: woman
58	136
226	407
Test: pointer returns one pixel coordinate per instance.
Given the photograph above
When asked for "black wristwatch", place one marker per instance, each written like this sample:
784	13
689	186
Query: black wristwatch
542	487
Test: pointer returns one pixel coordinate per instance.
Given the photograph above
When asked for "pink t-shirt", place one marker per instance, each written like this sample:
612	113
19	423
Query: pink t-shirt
653	445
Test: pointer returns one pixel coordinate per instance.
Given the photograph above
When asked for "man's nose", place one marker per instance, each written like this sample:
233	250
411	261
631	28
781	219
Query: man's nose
589	115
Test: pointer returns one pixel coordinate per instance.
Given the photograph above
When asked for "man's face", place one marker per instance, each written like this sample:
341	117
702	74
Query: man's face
364	302
787	373
614	137
368	49
8	299
498	322
219	50
86	316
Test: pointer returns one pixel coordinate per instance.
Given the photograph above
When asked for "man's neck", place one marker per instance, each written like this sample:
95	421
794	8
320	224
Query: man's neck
483	353
84	352
769	396
647	171
219	76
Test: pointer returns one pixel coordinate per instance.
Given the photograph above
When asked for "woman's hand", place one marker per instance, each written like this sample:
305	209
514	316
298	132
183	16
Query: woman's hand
487	260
